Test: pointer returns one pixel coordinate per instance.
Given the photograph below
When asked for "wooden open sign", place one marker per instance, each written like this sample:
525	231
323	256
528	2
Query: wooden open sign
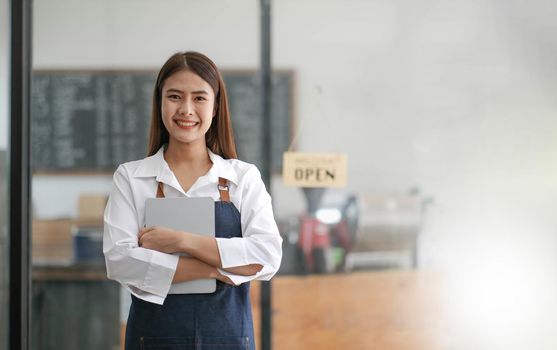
314	169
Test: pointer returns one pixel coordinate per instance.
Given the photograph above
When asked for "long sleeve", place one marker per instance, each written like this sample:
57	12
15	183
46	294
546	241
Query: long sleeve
145	273
261	242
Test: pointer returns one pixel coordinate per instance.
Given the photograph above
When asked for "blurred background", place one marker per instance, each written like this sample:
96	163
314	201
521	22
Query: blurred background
444	236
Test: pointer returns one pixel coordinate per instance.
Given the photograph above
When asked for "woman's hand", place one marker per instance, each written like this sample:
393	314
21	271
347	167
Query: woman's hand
162	239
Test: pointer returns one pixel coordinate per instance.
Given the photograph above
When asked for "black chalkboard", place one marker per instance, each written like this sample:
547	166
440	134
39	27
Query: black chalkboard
92	121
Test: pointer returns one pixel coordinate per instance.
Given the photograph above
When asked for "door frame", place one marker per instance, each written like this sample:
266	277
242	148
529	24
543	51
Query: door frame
19	175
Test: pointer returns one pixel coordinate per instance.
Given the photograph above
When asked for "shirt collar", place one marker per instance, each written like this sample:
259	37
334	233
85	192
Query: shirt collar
221	168
156	166
152	165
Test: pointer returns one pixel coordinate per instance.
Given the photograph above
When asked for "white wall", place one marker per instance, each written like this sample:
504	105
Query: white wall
143	34
454	98
430	93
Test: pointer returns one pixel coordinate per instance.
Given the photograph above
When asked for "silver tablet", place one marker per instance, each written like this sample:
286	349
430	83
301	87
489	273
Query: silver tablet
195	215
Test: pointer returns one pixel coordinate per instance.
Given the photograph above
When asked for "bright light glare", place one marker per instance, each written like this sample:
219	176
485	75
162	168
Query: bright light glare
503	292
328	216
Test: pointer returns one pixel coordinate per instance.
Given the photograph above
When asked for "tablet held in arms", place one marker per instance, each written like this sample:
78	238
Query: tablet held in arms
195	215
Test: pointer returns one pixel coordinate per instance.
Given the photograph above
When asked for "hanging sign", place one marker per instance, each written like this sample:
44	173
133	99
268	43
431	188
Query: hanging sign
314	169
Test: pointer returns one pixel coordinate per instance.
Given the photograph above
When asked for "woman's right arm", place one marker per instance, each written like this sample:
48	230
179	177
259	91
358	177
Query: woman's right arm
146	273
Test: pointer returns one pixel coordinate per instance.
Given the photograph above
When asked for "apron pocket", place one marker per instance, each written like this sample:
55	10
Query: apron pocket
191	343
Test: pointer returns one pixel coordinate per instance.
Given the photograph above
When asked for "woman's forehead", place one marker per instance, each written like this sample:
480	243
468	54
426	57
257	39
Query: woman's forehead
186	80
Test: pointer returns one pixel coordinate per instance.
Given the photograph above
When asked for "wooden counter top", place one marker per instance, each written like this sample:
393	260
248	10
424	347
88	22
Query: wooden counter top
393	309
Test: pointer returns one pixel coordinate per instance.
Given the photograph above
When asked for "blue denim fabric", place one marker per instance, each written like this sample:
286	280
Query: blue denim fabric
221	320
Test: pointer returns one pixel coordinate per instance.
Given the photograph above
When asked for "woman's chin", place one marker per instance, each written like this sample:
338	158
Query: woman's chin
187	141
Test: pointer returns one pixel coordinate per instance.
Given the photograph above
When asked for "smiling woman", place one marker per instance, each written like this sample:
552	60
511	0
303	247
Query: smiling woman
192	154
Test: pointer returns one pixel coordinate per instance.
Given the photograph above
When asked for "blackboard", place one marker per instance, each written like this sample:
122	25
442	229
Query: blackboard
92	121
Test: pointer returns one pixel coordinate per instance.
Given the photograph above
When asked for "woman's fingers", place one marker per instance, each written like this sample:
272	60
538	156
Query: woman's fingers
159	238
145	230
142	232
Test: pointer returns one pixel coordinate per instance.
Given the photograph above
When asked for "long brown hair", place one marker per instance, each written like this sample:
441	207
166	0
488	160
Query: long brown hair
220	137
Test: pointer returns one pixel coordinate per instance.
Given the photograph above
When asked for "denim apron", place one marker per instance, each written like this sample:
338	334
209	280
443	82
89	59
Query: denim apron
221	320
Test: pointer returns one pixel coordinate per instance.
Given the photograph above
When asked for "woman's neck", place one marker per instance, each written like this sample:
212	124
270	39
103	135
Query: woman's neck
191	155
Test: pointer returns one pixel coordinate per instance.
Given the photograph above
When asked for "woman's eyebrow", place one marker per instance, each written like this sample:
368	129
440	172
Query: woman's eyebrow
174	90
196	92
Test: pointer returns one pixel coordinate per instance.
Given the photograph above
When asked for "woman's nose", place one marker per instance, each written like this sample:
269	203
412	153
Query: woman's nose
186	108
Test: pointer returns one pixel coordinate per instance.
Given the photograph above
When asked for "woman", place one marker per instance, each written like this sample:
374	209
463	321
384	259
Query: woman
191	153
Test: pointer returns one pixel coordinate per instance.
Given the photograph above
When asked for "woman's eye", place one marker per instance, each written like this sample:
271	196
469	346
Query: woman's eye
174	97
200	98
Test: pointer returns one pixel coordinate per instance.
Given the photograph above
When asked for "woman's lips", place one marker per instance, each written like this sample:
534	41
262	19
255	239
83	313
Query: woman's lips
186	124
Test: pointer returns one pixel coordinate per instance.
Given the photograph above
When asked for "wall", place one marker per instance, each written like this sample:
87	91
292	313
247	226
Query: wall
435	94
453	98
135	34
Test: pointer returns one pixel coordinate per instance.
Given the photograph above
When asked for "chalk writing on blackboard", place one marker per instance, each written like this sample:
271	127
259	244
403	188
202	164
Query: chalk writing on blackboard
92	121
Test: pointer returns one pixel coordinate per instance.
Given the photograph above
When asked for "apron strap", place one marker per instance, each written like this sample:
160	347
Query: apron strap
223	189
160	193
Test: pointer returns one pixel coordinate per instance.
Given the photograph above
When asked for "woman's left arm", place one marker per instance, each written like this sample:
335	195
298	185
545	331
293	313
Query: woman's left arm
201	247
261	243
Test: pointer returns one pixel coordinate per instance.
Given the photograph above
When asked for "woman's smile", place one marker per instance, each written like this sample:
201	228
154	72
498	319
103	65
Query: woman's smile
186	124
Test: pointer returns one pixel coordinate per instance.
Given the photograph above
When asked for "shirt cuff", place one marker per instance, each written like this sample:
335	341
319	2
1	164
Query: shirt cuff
151	298
265	274
160	273
232	252
237	279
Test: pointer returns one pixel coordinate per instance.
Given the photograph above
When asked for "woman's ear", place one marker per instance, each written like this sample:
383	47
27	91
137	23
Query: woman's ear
215	109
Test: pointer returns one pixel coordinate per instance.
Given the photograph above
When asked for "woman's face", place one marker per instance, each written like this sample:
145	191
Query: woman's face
187	107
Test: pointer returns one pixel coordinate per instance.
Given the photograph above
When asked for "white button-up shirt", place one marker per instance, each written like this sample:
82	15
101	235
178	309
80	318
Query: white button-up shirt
148	273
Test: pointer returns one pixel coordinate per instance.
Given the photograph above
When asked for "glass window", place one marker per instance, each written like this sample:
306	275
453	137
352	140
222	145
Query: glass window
94	68
442	237
444	113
